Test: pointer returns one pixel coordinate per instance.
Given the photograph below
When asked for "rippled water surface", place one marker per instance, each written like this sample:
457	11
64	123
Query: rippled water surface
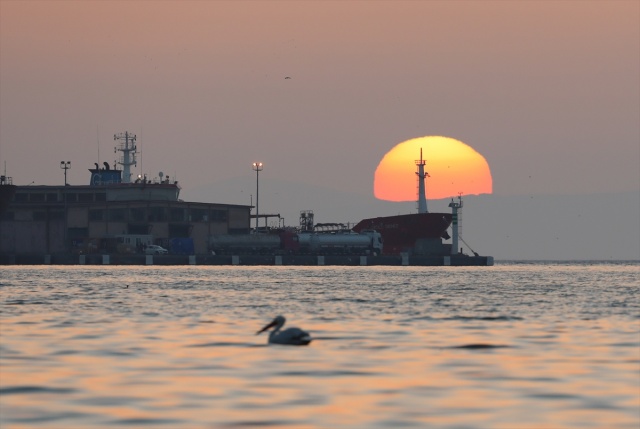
517	345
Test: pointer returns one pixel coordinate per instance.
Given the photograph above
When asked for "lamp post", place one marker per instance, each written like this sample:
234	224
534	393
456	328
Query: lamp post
65	165
257	166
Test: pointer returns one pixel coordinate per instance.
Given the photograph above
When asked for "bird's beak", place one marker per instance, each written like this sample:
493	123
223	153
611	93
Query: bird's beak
266	327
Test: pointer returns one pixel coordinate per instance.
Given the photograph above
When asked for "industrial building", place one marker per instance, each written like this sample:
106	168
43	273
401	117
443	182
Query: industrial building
113	214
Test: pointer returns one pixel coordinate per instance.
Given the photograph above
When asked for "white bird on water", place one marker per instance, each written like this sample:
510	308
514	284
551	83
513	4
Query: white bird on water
290	336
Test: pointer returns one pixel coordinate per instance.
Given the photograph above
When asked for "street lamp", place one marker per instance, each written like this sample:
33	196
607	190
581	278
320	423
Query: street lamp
65	165
257	166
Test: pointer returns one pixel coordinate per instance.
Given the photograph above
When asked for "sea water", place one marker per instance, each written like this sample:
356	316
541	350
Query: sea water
517	345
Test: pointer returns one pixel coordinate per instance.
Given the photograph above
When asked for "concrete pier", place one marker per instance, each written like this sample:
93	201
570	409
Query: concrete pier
404	259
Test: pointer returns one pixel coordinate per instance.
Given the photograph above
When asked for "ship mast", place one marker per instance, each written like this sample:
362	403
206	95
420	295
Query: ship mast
129	149
422	193
456	212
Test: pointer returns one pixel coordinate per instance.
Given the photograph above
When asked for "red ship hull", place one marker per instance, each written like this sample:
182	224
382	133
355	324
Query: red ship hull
401	232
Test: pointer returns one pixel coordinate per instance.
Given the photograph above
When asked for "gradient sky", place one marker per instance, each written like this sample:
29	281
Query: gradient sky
548	92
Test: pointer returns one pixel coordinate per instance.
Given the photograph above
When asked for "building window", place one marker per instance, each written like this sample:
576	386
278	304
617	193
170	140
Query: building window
117	215
7	216
177	214
36	198
96	215
219	215
85	197
20	197
138	229
199	215
52	198
179	230
56	215
157	214
71	198
137	214
101	196
39	215
77	233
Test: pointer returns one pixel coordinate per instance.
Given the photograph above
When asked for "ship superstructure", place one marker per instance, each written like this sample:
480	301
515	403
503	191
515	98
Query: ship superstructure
420	232
422	193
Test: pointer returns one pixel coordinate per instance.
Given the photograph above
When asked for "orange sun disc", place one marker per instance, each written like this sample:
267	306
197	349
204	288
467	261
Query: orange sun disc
454	169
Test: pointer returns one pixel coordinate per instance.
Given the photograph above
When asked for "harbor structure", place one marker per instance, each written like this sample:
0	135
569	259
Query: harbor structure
112	214
114	219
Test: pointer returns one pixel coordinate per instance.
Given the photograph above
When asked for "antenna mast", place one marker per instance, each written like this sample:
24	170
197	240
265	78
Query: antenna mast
98	141
422	193
128	148
456	213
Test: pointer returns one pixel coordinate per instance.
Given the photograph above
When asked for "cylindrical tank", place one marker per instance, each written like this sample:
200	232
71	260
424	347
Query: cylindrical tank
247	243
346	242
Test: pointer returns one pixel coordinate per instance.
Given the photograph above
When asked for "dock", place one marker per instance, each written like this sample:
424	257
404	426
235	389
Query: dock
247	260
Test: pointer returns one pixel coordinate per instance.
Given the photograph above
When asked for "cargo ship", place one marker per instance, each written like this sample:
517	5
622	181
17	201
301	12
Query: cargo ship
420	233
403	233
411	232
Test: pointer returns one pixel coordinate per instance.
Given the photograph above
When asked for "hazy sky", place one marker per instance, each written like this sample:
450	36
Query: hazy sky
547	91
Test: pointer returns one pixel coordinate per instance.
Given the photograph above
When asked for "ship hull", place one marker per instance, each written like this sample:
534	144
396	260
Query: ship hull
400	233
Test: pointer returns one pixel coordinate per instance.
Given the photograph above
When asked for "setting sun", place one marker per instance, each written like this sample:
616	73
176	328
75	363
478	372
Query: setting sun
454	168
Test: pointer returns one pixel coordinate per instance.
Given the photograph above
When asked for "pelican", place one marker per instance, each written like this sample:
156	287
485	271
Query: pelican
290	336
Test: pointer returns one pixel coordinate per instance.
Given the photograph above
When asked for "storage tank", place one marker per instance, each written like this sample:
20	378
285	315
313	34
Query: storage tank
246	243
349	242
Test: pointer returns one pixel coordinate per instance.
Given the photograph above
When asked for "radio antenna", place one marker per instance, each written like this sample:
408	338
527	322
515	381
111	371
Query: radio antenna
140	157
98	139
